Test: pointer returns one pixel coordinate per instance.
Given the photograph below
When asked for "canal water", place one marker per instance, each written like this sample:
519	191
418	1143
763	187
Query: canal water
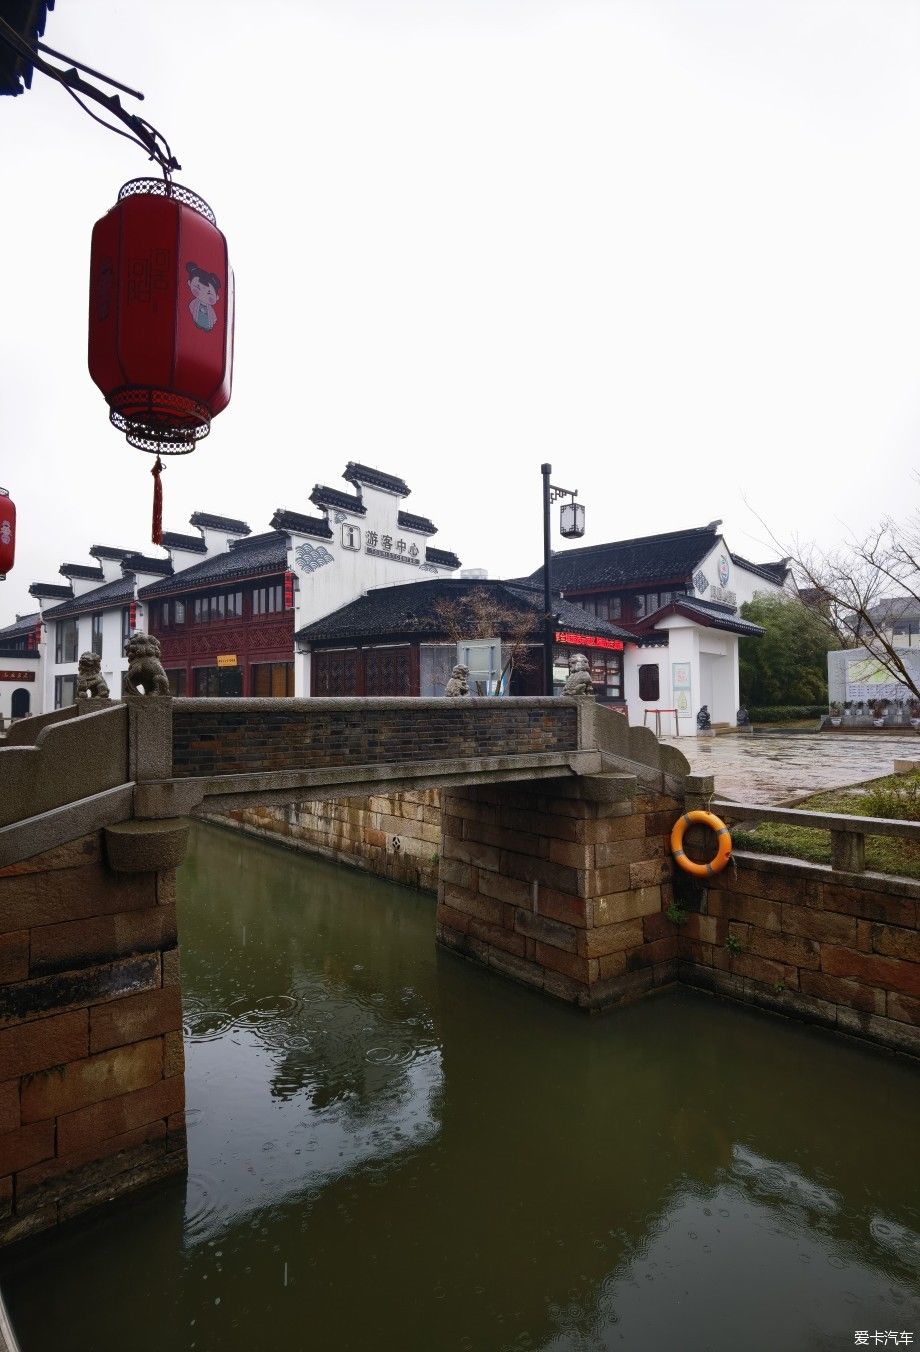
391	1149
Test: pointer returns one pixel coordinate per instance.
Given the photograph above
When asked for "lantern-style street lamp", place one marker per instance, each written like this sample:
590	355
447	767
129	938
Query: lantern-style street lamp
572	527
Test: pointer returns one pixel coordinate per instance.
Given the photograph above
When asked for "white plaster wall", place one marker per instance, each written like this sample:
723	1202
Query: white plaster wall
634	658
719	674
745	585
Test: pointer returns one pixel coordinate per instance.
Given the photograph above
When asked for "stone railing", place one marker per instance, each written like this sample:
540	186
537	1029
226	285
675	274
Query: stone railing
848	834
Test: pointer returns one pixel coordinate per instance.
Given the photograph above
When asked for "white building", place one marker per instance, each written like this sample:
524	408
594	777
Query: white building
361	540
679	595
20	668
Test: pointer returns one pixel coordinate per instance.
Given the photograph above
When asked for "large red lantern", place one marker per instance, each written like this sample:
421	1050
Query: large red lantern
7	532
161	318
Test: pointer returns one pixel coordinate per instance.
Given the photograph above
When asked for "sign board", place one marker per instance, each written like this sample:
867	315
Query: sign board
680	687
227	660
17	675
588	641
868	671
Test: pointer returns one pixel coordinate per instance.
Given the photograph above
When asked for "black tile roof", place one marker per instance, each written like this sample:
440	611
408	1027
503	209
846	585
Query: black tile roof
81	570
109	552
412	608
417	523
706	613
255	557
193	544
324	496
227	523
770	572
298	524
27	19
671	557
889	610
143	563
111	594
356	473
46	590
23	624
445	557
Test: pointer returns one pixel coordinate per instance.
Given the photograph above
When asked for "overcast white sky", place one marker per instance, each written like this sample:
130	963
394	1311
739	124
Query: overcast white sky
670	246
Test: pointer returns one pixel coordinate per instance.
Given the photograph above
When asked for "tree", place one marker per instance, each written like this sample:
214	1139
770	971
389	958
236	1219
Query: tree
484	614
864	585
789	664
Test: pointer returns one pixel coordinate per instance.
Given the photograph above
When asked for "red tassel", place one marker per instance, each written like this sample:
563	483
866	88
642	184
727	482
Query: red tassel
157	503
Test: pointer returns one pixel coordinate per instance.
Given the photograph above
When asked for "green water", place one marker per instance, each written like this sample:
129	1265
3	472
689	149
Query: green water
391	1149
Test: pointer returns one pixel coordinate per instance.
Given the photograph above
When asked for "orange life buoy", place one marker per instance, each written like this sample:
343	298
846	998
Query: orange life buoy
723	854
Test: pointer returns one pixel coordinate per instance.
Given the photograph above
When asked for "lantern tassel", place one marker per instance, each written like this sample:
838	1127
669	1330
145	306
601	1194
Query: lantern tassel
157	503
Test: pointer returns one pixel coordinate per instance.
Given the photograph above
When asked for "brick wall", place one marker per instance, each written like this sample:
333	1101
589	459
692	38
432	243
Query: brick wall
234	737
560	892
395	836
842	950
91	1062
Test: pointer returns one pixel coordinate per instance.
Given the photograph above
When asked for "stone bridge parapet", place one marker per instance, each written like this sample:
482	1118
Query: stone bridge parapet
233	736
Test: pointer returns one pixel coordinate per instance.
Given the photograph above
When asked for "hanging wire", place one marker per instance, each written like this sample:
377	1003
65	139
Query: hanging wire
141	132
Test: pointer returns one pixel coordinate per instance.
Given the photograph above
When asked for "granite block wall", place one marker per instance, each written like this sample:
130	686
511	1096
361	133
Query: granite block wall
395	836
559	892
91	1061
839	949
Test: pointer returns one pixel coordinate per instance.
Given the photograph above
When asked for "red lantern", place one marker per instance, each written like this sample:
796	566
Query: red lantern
132	617
7	532
161	315
161	319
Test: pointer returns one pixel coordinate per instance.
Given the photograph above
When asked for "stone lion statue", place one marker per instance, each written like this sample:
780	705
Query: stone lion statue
579	684
144	666
90	681
457	686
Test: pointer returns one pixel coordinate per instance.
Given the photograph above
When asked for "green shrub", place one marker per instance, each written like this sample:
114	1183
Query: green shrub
786	713
898	799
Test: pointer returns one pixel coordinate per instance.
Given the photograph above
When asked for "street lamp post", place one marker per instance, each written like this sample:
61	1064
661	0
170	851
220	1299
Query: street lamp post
572	527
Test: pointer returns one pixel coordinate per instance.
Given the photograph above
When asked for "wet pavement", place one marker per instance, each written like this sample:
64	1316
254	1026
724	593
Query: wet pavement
777	767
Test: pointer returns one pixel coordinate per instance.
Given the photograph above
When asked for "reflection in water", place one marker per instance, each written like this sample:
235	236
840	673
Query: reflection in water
391	1149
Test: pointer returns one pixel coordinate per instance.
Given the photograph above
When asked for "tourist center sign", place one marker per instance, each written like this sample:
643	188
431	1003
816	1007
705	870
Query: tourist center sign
588	640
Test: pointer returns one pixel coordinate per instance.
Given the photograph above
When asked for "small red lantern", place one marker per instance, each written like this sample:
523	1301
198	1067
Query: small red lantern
7	532
289	590
161	318
132	617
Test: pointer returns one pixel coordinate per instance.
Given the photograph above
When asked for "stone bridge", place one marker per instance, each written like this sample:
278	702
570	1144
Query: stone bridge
554	871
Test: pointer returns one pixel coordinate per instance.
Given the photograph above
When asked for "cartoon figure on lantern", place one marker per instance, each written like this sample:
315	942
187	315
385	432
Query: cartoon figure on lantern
205	289
6	533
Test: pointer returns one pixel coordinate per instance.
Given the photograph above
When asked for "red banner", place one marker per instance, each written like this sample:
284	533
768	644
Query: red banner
587	641
17	675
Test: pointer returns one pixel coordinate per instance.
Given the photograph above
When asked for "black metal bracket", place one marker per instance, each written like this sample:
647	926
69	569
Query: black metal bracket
140	130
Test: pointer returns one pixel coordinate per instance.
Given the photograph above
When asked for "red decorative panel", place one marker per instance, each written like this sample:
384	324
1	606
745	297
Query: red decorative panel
386	671
335	673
